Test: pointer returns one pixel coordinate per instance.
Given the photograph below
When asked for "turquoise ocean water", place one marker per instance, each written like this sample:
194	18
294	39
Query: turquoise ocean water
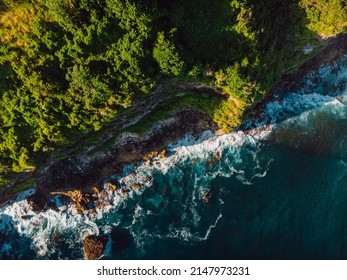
276	189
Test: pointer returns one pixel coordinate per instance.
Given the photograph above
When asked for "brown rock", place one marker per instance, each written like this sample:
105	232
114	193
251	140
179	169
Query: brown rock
150	155
162	154
78	199
206	197
94	246
136	186
220	132
123	191
95	191
215	159
111	186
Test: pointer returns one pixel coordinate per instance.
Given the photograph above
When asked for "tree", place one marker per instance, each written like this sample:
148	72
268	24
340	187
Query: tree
167	56
326	17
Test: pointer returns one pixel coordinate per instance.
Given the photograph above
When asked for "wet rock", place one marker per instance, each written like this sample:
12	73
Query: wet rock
26	217
111	186
206	197
38	201
123	191
102	200
78	199
85	172
163	154
150	156
135	186
215	158
95	191
94	246
220	132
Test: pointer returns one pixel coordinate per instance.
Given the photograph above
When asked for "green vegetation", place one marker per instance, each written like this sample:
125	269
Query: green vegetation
326	17
166	55
224	112
68	67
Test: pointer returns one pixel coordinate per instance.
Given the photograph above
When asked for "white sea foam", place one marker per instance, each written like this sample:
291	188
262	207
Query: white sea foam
43	227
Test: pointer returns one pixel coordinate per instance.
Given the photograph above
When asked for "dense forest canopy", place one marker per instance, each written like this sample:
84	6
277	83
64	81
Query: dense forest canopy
68	66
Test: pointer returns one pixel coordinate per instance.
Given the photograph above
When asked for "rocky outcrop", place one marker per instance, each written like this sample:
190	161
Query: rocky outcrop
94	246
154	154
78	199
85	172
38	201
79	178
112	186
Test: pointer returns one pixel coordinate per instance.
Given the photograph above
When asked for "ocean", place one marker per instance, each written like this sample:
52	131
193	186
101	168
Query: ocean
275	188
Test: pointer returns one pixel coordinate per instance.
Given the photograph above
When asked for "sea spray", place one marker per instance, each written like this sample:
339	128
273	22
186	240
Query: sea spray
47	227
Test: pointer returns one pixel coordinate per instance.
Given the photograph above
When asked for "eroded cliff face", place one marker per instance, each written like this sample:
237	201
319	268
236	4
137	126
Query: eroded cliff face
79	178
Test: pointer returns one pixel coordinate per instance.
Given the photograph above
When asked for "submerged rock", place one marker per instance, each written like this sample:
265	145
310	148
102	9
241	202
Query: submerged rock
94	246
215	158
206	197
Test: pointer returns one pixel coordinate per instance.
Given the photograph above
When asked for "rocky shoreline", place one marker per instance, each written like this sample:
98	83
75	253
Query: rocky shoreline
336	47
80	180
80	177
85	173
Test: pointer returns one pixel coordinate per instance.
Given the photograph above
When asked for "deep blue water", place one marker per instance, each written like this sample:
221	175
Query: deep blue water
278	191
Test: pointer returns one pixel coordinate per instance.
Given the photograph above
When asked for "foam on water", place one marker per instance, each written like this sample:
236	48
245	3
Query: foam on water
45	228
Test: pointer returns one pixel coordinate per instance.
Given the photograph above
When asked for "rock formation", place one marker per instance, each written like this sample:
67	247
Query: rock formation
94	246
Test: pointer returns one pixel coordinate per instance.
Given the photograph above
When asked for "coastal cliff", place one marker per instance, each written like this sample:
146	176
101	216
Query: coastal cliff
185	193
88	170
84	173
